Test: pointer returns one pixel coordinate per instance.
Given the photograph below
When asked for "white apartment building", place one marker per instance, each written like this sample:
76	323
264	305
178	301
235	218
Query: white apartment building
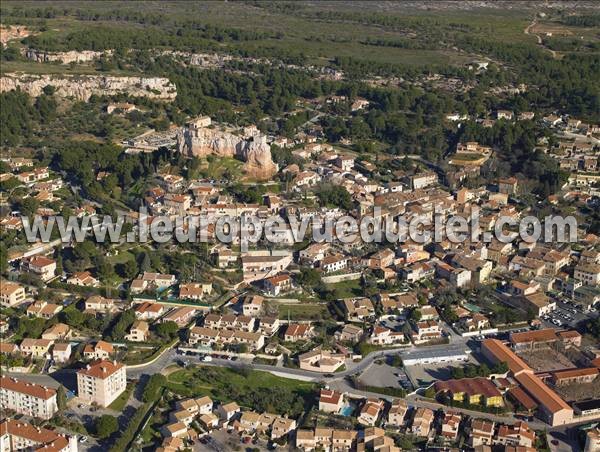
423	180
26	398
42	266
589	274
101	382
11	294
334	263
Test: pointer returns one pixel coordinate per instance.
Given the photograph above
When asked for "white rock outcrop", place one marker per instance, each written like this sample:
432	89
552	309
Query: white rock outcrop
72	56
199	141
82	87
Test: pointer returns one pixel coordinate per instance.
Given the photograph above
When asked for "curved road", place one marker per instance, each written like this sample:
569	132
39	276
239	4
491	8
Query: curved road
170	356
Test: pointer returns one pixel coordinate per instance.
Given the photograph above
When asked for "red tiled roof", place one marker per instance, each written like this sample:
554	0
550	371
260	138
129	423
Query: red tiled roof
32	389
295	329
545	335
503	354
101	369
329	396
573	373
521	396
469	386
43	439
542	393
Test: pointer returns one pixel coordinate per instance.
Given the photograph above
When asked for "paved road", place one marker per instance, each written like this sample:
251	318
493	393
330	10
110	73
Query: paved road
169	357
166	359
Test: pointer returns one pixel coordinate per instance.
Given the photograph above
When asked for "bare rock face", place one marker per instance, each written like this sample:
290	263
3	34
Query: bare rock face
11	33
198	141
257	155
72	56
82	87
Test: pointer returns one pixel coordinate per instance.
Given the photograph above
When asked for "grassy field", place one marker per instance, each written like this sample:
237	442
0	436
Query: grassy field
261	390
304	311
346	289
179	381
215	168
121	258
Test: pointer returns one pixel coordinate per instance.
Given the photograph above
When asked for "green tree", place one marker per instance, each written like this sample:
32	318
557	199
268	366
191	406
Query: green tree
32	328
430	392
167	330
61	398
145	262
593	327
309	278
334	195
72	317
28	206
129	269
396	361
153	386
106	425
458	372
500	368
121	325
415	315
105	271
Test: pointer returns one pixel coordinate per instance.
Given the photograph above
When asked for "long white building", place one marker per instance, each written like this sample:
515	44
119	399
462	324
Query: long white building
27	398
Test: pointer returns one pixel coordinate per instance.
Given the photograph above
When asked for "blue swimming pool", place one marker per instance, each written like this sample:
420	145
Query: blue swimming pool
347	410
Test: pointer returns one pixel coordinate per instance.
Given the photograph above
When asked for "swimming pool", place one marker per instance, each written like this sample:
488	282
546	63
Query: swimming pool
347	410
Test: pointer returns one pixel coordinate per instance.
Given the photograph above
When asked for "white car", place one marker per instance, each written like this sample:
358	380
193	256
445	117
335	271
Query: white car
83	439
207	359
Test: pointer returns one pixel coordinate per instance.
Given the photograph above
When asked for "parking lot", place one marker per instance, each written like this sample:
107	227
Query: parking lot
566	315
385	376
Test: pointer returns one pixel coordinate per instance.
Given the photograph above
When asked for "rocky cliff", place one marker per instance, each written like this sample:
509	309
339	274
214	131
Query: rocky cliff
254	150
82	87
72	56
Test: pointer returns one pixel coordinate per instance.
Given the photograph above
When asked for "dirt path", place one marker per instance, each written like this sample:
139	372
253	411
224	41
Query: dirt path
529	27
540	42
